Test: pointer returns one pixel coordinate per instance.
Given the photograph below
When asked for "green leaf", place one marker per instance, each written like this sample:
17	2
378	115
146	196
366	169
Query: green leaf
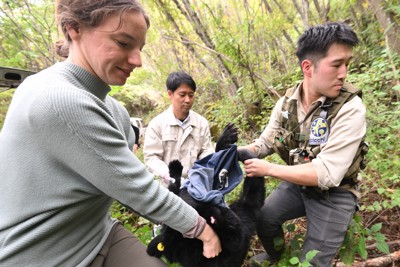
383	247
361	248
379	237
381	191
377	206
357	218
291	227
311	254
295	244
294	261
376	227
278	242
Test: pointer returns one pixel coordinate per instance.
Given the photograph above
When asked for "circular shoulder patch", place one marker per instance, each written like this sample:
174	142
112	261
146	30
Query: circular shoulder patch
319	127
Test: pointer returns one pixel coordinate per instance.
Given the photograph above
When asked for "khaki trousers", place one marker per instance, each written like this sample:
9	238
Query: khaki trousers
123	249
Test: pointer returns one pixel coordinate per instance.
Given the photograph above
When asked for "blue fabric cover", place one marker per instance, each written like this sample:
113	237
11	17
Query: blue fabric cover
204	183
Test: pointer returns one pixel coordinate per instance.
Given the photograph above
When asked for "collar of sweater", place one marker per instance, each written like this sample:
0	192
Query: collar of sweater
86	81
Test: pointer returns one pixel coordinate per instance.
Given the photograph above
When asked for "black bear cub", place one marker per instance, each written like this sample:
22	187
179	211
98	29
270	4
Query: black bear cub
235	225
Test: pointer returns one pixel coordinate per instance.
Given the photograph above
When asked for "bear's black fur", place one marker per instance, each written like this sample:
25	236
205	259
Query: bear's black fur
235	225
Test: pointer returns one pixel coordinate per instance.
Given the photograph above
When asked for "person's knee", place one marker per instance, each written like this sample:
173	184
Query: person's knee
269	217
326	249
267	227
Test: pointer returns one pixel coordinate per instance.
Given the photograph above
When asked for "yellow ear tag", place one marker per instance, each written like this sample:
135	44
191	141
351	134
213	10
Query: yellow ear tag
160	246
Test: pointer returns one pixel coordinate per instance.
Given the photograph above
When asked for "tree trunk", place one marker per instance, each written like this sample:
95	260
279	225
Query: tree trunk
303	11
322	9
389	25
201	31
290	19
186	42
285	33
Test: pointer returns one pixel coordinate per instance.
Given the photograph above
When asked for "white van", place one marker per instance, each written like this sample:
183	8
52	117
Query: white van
138	122
11	77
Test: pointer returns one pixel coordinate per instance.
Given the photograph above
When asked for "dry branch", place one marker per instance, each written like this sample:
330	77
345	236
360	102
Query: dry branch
389	260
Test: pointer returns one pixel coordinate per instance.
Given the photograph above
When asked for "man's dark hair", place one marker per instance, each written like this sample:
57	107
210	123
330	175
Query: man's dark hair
176	79
315	42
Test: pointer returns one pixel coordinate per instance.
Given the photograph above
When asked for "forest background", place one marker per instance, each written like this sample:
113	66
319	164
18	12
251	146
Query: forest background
241	55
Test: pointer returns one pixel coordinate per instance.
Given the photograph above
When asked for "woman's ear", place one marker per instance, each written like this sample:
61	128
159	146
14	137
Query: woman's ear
73	32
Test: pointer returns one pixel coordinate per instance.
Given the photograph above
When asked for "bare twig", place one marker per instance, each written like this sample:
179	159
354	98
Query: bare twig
392	259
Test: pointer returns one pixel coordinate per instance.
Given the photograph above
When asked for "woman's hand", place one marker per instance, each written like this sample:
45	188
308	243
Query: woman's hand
211	242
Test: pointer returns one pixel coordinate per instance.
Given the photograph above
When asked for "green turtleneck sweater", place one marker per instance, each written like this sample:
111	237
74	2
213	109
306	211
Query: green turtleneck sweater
65	154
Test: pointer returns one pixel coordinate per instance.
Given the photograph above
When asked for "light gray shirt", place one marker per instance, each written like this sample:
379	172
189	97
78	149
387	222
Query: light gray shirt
65	154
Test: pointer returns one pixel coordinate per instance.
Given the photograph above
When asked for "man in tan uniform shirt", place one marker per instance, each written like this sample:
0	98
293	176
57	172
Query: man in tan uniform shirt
315	187
177	133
